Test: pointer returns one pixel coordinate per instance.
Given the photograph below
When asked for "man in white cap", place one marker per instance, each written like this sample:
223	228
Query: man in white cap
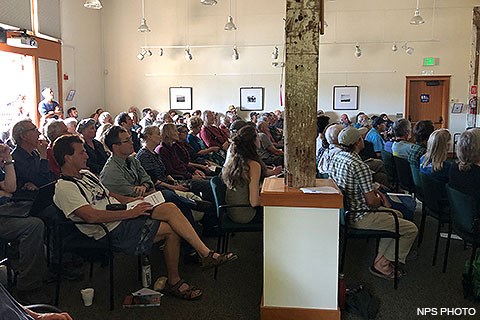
354	178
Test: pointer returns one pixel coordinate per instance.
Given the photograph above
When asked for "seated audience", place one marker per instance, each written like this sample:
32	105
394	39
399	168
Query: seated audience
321	146
31	163
253	116
433	162
125	121
402	130
331	136
100	135
28	231
212	135
211	153
375	136
186	153
72	112
344	120
388	122
133	231
280	120
105	117
48	107
242	174
162	118
465	174
421	131
362	120
10	309
97	156
353	177
54	129
225	122
148	118
71	124
269	154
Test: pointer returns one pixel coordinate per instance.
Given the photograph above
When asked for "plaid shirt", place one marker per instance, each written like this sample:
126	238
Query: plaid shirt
354	178
416	152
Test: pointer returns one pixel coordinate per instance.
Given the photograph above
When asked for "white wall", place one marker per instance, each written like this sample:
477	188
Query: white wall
82	56
216	78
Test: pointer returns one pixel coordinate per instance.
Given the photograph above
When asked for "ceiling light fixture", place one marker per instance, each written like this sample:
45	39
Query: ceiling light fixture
408	50
275	53
148	53
235	54
188	54
209	2
143	24
141	55
160	52
229	26
358	51
394	47
93	4
417	18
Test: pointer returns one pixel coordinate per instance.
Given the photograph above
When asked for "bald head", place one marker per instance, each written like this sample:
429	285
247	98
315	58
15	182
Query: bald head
331	134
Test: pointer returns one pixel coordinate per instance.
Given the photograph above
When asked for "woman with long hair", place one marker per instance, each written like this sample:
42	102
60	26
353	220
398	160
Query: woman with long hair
434	161
97	156
242	174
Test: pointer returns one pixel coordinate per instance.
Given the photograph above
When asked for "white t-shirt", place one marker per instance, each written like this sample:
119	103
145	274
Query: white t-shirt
69	198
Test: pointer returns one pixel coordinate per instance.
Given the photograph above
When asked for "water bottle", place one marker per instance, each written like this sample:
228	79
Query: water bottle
146	272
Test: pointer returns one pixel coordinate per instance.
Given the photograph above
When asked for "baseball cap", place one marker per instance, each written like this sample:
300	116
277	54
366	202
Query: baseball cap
349	136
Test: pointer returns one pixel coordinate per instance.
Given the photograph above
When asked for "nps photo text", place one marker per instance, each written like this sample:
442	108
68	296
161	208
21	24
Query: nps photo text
446	311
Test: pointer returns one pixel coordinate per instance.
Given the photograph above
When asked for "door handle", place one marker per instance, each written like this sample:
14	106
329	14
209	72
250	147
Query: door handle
440	119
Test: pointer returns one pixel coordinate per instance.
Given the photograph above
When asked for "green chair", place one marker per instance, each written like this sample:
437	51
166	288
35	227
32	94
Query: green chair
437	206
389	164
404	174
354	233
419	194
225	225
465	214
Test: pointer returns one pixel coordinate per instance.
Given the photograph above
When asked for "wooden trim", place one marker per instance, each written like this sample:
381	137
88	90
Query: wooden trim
445	100
51	50
286	313
276	193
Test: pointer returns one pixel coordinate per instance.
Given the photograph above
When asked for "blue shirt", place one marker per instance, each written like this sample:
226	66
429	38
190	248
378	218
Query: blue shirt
376	139
401	149
30	168
442	175
388	146
45	107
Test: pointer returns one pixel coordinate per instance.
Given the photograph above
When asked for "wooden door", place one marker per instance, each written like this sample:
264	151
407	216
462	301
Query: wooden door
427	98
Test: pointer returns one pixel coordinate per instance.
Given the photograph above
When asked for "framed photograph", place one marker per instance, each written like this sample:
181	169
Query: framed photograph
345	98
181	98
457	107
71	95
251	99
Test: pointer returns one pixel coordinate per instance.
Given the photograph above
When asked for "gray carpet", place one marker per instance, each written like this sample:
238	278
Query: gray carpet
237	292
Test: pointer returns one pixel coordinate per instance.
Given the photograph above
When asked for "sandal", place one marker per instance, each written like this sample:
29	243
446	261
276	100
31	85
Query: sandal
187	294
210	262
389	276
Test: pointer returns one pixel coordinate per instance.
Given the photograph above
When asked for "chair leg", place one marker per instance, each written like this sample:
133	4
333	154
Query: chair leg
422	225
111	280
139	267
395	269
472	259
59	272
91	270
344	251
434	261
447	248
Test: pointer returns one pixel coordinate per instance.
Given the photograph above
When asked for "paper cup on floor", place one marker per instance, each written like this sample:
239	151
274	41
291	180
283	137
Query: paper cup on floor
87	296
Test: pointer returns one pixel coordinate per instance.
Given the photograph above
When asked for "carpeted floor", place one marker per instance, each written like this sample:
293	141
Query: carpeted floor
237	292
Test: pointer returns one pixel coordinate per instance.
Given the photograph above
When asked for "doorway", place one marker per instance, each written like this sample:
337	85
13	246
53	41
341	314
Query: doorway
428	98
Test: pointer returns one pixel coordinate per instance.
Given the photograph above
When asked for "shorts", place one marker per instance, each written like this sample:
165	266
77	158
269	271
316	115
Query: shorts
134	236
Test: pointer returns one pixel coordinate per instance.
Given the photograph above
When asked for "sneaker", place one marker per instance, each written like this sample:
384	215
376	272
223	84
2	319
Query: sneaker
35	296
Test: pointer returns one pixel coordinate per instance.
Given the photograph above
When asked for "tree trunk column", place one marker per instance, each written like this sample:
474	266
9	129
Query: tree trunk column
301	90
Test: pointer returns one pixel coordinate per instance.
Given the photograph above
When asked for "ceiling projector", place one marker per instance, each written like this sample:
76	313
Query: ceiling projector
22	41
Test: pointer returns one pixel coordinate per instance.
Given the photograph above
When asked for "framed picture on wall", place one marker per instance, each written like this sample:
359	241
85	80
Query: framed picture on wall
457	107
251	99
181	98
345	97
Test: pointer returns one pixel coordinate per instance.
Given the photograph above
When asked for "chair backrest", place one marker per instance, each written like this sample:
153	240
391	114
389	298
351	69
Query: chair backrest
219	189
417	182
404	173
436	198
389	164
464	214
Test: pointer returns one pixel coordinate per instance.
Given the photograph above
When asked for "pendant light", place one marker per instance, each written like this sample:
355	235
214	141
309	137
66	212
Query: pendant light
143	25
358	51
229	26
93	4
208	2
417	18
